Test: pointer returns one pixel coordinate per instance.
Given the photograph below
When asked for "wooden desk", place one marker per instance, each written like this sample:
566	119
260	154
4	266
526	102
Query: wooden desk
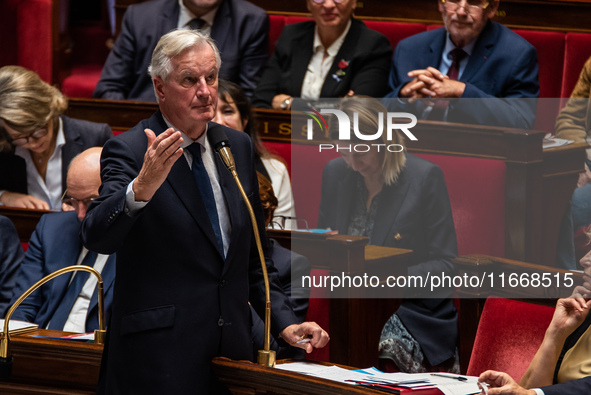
51	366
243	377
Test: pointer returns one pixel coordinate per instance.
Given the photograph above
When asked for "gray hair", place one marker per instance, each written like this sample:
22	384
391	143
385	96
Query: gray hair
172	44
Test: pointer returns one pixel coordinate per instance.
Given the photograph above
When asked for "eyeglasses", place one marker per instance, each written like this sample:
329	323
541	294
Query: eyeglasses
75	203
25	140
472	6
322	1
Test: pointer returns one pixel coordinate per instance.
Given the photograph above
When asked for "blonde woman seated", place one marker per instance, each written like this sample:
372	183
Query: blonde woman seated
562	364
37	142
235	111
397	200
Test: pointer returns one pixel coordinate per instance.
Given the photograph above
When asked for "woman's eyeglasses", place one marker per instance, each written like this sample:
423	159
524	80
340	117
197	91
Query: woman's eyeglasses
25	140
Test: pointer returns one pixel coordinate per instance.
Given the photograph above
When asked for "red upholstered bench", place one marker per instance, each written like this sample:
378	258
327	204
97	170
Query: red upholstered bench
576	52
34	38
509	334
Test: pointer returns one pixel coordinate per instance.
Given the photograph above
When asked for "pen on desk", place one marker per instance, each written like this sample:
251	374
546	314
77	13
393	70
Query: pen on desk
460	378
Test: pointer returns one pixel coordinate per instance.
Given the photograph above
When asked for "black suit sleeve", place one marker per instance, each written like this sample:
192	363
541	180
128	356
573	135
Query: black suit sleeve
371	77
11	256
580	386
270	83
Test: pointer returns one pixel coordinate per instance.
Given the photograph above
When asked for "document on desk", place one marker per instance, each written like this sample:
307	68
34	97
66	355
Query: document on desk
17	327
449	384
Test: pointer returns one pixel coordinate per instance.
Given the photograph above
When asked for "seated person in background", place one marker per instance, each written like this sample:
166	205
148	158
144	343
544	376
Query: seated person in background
397	200
68	302
574	123
234	111
562	363
471	57
291	267
239	28
11	256
37	142
327	57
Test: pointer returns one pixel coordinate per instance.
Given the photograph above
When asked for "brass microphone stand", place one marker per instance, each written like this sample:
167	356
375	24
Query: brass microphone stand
266	356
99	334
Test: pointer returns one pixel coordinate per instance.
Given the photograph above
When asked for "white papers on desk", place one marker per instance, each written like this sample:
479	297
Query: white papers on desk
333	373
449	386
17	327
551	142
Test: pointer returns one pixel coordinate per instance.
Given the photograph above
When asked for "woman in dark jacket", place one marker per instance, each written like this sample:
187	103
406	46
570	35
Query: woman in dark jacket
37	143
328	57
397	200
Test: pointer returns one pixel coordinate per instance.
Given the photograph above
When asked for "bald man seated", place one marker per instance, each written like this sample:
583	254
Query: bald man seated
68	302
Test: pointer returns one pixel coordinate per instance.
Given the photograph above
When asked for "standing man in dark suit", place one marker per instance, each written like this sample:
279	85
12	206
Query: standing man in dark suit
11	256
239	29
491	61
187	262
66	303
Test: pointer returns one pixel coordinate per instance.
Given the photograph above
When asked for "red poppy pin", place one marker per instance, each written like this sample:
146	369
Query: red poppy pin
341	72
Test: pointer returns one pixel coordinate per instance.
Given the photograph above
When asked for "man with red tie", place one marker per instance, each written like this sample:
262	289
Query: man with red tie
471	57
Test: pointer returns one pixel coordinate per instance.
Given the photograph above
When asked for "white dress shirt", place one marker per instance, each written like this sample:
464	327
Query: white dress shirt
320	64
76	321
50	189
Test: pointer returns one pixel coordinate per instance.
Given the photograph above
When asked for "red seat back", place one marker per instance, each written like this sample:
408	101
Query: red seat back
576	52
509	334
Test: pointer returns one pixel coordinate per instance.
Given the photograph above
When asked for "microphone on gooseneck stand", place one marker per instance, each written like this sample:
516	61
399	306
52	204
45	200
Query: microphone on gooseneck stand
220	143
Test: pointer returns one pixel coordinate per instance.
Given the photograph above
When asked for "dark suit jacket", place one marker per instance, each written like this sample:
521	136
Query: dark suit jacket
11	256
291	267
55	244
415	214
580	386
80	135
502	65
240	30
367	52
178	303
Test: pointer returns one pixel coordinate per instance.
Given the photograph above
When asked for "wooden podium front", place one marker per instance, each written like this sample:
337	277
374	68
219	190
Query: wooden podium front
52	366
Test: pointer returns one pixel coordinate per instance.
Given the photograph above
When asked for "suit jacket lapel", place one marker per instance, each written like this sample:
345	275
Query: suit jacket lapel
435	49
70	149
221	25
481	52
346	52
388	208
301	59
108	275
168	19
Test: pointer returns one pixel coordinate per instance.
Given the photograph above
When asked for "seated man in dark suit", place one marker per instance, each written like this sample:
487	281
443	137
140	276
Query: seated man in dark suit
290	267
239	29
68	302
11	256
471	57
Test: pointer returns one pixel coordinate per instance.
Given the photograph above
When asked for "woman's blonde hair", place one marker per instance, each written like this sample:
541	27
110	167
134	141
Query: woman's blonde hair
27	103
369	111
